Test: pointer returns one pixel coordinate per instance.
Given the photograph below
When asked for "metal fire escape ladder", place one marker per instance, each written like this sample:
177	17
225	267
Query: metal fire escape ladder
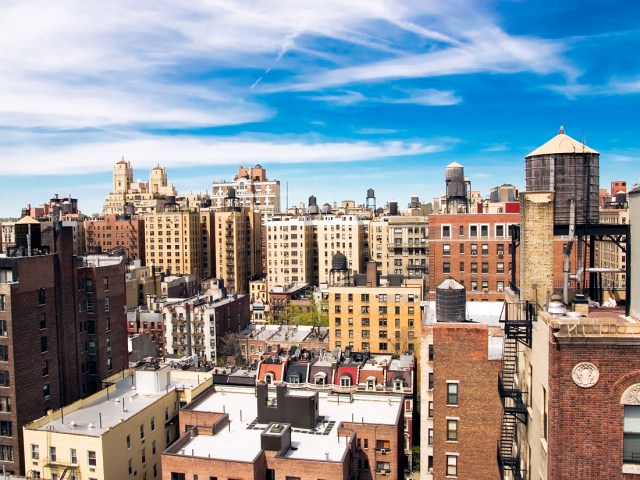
518	318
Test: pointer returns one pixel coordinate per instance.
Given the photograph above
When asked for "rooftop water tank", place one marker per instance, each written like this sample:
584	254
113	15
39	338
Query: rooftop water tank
451	302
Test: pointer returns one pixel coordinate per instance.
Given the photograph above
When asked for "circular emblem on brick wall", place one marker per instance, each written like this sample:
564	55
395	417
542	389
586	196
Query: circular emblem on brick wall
585	374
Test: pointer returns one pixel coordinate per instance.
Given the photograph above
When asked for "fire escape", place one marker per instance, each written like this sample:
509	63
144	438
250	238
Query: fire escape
518	321
133	241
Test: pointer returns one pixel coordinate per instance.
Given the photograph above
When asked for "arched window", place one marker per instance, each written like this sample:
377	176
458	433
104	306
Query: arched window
320	378
268	378
371	383
345	380
631	445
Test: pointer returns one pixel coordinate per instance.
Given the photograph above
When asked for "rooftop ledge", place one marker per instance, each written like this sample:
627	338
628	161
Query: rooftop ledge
612	330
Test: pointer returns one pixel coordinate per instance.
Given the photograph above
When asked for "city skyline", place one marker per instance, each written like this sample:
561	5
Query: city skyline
330	98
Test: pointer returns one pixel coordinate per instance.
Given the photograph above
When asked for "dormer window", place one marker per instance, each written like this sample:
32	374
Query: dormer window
345	381
268	378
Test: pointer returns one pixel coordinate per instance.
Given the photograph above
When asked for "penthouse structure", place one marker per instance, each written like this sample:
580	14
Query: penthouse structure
118	432
252	188
130	198
296	433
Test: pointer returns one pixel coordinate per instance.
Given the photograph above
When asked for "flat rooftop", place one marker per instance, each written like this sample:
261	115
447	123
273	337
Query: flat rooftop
602	325
320	443
102	414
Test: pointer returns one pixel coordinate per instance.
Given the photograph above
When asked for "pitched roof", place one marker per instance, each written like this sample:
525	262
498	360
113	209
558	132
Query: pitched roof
561	143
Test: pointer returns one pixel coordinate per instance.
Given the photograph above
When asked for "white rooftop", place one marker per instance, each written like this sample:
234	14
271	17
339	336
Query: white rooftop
241	405
104	413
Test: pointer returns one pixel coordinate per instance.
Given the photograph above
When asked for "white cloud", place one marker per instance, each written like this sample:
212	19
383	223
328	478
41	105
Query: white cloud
376	131
430	97
187	151
615	86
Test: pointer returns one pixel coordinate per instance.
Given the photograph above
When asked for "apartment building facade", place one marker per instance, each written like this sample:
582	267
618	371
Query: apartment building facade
475	249
399	245
116	233
62	331
381	317
252	188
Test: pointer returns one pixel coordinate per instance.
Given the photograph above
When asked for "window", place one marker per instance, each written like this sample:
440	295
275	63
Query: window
109	363
452	393
474	249
474	267
46	393
128	441
446	231
484	230
446	249
452	465
91	458
74	455
105	283
106	304
153	424
6	453
383	346
4	353
431	352
430	409
52	454
474	286
485	249
43	321
153	447
499	230
430	436
500	267
35	452
141	432
431	381
178	476
143	456
43	344
452	430
545	416
4	379
5	404
5	429
345	381
485	267
41	296
473	230
3	304
446	267
3	327
383	467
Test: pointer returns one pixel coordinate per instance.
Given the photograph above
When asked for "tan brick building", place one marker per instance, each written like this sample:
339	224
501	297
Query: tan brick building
399	245
382	316
252	188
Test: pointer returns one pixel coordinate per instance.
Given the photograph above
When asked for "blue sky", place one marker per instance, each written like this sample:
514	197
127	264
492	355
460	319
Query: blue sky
332	97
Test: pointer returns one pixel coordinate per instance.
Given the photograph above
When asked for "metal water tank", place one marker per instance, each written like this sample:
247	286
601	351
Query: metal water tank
393	208
313	201
454	177
339	261
451	302
570	169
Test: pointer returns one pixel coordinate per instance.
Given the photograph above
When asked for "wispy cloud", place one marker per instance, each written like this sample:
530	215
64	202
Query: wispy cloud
376	131
186	151
615	86
427	97
500	147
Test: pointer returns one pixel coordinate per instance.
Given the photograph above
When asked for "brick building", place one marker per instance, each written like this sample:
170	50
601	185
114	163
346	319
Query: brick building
461	410
62	331
264	432
474	249
123	234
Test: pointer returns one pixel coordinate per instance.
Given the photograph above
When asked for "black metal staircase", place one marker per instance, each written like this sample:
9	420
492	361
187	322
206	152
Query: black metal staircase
518	319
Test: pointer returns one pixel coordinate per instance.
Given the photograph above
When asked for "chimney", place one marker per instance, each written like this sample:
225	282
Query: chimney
372	274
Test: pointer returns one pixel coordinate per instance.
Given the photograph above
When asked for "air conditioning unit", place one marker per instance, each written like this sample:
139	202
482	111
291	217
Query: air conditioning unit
485	290
382	472
500	255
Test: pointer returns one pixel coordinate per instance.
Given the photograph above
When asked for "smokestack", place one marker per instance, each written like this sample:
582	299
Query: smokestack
372	274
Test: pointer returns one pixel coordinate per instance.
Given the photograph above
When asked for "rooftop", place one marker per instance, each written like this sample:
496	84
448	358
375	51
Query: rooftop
561	143
321	443
104	411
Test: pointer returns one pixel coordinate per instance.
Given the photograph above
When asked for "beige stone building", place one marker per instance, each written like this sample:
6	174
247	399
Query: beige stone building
173	241
377	316
399	245
252	188
141	197
301	249
238	247
118	432
610	256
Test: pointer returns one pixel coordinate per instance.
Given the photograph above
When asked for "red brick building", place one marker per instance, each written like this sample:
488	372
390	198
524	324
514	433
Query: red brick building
474	249
114	233
467	409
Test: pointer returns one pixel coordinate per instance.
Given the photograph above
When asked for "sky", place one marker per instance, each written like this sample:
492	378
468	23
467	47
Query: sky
331	97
